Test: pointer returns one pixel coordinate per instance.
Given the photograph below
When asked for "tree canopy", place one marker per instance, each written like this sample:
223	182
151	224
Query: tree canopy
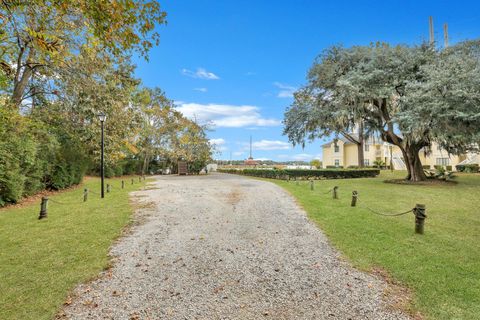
61	64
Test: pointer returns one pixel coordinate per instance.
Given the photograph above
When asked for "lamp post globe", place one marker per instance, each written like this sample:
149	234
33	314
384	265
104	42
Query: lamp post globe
102	117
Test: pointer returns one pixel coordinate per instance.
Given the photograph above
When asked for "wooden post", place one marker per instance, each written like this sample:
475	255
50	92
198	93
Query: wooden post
144	177
296	181
132	180
335	195
140	179
85	195
43	208
108	188
312	185
354	198
123	184
420	216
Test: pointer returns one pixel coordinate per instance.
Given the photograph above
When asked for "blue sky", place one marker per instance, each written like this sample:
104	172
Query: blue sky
236	63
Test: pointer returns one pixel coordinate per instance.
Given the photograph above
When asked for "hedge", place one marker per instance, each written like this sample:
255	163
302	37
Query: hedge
304	174
468	167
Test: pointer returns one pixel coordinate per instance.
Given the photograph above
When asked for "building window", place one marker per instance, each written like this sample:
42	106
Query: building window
366	162
336	148
367	147
443	161
337	163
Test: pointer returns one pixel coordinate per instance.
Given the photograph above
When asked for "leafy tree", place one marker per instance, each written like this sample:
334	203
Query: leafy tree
41	36
410	96
316	163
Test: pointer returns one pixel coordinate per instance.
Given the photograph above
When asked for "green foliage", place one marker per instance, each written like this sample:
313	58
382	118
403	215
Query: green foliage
316	163
468	168
379	164
34	158
440	173
304	174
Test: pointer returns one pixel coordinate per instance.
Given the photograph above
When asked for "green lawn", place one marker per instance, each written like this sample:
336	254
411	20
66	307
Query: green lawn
442	267
42	260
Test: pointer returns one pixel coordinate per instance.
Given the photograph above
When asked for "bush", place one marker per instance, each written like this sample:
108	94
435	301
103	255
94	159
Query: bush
468	168
334	167
449	168
305	174
426	167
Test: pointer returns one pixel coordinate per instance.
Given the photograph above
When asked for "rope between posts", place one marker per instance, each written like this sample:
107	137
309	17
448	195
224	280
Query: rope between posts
59	202
386	214
328	191
389	215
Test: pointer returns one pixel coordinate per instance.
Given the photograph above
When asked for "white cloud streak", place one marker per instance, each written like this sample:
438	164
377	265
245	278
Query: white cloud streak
286	91
201	73
201	89
228	116
270	145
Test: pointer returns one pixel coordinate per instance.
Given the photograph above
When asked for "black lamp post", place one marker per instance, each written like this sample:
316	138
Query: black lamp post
102	118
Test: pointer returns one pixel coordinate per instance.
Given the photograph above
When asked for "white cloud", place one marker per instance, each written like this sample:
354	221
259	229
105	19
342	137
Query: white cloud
201	89
270	145
286	91
297	157
223	115
238	153
201	73
217	141
218	144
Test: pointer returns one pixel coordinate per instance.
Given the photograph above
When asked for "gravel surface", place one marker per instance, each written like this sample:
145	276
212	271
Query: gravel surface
226	247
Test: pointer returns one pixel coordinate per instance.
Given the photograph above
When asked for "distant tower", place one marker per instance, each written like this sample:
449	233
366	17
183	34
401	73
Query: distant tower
250	161
250	158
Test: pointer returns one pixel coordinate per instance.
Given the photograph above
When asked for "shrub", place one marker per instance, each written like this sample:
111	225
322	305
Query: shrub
334	167
304	174
426	167
468	167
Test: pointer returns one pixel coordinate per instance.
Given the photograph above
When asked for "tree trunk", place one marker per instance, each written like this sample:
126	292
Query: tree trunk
413	163
361	156
24	76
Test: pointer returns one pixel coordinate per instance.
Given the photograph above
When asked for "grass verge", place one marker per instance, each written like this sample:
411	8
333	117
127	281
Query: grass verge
441	267
42	260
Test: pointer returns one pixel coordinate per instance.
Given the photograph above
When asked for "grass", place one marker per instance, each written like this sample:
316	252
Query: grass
441	267
41	261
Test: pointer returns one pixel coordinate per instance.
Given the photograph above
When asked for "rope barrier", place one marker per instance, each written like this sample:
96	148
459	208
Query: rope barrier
385	214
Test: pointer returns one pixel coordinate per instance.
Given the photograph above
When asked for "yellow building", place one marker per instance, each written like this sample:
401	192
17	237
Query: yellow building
344	154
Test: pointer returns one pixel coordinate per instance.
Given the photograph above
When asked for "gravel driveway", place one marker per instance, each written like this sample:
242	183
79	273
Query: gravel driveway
227	247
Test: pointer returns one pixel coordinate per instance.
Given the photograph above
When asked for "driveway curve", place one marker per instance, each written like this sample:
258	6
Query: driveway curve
226	247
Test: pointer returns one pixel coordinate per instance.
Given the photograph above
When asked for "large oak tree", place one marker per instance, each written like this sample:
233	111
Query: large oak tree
410	96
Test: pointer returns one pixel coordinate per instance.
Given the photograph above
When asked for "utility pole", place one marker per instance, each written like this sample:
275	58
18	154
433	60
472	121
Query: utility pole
445	35
432	38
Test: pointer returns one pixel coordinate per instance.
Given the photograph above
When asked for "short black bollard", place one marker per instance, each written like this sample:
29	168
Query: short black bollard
43	208
334	192
123	184
132	180
312	185
420	216
108	188
354	198
85	195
